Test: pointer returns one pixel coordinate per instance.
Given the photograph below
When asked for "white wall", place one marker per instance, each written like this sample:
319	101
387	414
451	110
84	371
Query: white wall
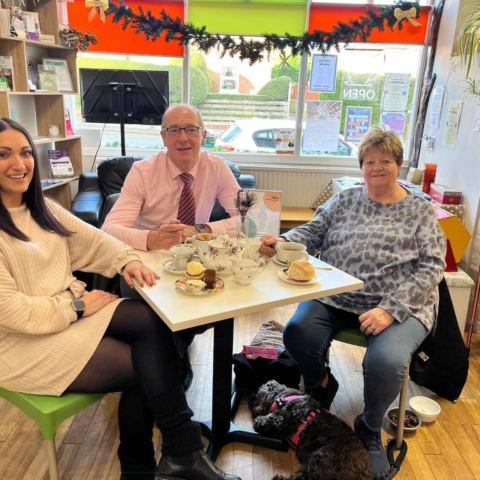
459	166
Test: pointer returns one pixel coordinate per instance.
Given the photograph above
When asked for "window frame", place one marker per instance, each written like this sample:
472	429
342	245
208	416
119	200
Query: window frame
295	161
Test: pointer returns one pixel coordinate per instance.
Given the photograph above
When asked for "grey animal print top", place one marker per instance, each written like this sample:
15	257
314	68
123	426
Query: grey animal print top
397	249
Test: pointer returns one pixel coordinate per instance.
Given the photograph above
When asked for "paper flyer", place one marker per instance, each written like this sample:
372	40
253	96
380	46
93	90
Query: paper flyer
357	123
264	216
284	143
395	92
324	73
451	125
435	107
60	163
394	121
476	118
322	126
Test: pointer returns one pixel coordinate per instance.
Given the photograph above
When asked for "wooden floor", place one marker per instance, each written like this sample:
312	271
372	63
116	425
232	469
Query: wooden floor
446	449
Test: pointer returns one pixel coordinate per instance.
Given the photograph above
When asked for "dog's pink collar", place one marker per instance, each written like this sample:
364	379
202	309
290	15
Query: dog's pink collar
294	439
282	400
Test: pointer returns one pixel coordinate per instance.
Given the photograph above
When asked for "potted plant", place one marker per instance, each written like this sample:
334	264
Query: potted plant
469	38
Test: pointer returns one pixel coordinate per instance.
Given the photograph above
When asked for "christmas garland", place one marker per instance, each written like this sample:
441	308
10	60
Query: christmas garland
255	51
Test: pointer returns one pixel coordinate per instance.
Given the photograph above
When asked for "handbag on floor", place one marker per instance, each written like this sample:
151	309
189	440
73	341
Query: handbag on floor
265	359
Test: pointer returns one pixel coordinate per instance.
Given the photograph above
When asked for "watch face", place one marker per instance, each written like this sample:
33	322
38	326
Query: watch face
200	227
78	305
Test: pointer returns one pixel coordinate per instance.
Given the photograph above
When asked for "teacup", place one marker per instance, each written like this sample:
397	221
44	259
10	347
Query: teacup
198	242
250	248
291	251
182	255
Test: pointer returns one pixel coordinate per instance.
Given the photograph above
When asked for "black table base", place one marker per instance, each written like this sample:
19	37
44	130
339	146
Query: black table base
221	430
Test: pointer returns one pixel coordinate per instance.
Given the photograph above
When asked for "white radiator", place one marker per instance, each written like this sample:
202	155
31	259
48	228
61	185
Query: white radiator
299	189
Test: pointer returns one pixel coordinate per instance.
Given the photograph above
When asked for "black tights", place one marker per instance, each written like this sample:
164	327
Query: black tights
137	356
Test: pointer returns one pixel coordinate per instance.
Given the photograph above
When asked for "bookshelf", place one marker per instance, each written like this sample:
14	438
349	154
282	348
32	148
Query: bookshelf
36	111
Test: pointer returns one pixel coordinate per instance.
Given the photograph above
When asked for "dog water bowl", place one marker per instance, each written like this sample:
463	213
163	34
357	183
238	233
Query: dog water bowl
412	421
425	408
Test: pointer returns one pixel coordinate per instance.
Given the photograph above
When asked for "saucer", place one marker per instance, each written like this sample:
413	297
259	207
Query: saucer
279	262
283	276
169	267
285	264
181	288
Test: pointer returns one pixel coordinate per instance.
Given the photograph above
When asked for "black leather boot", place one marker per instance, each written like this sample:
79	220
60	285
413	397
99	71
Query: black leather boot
194	466
326	395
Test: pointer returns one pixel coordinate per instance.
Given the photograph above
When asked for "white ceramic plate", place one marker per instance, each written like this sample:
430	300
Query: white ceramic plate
283	276
181	288
169	267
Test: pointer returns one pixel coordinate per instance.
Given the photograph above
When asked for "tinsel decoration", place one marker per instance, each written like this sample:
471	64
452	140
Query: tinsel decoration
78	39
257	50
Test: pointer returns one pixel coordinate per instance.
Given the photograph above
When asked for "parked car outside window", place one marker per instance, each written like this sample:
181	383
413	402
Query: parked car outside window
258	135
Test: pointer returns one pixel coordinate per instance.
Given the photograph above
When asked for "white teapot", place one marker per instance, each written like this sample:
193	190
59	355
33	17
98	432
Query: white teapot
221	251
245	269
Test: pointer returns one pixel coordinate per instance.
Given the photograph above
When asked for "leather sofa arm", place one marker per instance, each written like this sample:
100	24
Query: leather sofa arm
247	181
88	203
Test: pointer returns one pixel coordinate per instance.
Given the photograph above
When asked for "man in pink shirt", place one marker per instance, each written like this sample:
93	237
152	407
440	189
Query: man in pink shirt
146	214
164	194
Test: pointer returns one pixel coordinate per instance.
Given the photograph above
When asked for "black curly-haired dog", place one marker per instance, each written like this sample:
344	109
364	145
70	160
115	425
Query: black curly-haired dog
327	447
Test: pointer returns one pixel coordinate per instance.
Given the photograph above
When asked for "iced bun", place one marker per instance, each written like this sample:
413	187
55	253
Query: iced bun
301	270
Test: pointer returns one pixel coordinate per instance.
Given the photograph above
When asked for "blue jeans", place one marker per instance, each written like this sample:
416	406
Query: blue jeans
308	334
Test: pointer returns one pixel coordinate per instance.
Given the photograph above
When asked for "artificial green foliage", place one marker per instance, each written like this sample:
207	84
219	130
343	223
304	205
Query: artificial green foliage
256	50
276	88
469	38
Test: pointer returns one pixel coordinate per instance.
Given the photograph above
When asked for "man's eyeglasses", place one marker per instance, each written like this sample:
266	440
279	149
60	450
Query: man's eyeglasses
175	131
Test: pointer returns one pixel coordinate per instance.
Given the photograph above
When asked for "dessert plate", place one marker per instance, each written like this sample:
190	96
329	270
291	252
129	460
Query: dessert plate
283	276
182	288
169	267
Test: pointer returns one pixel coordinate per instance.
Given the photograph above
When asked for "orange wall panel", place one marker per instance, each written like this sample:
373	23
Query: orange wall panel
111	37
325	16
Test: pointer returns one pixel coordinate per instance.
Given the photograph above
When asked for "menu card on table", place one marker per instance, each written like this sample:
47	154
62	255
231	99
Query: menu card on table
264	216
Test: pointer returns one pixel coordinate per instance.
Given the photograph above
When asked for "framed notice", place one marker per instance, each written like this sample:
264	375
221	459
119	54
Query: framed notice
60	67
324	73
264	216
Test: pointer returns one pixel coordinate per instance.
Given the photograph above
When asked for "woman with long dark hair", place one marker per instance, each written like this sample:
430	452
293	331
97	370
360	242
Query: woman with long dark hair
55	337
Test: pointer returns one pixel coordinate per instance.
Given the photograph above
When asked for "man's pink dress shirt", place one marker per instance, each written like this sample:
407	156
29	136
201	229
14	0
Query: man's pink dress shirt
151	195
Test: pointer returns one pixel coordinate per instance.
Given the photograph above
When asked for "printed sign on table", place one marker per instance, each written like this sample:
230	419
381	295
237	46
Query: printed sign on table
357	123
324	73
264	216
394	121
395	92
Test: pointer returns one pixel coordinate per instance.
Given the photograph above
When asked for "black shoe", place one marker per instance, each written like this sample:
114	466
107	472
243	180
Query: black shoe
199	467
372	439
186	371
137	476
326	395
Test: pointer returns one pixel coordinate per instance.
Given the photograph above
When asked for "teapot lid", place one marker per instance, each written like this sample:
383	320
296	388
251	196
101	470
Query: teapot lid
222	241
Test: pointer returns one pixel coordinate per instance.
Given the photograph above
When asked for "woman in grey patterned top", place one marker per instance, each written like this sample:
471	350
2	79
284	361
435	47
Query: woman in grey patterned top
390	239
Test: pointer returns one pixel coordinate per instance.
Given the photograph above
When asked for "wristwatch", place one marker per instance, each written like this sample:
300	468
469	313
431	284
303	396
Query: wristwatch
201	227
78	307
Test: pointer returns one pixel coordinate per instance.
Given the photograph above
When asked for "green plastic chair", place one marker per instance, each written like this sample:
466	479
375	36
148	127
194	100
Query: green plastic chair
48	413
353	336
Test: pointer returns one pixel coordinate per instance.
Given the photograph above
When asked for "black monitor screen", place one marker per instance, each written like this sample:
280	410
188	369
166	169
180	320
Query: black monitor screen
146	95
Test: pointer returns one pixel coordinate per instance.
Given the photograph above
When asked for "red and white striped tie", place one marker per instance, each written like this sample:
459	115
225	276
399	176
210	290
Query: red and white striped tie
186	207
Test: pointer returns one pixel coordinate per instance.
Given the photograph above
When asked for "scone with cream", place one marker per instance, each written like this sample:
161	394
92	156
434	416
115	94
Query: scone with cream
301	270
195	271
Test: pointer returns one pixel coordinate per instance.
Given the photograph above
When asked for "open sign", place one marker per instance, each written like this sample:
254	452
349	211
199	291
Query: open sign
353	93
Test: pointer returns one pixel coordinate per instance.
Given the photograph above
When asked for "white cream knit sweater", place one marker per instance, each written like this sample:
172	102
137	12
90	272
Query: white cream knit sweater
43	347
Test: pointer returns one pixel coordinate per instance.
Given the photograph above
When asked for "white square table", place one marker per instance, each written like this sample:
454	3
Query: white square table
180	311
